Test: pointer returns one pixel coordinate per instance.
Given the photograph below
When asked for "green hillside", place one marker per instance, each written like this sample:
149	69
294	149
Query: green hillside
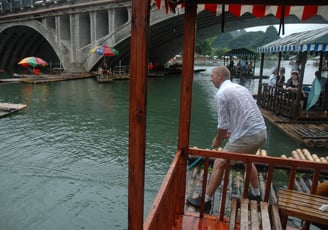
217	46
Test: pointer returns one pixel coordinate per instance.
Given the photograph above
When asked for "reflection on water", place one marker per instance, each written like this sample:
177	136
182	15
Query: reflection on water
64	159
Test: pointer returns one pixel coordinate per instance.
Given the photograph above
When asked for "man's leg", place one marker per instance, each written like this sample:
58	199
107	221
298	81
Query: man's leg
216	177
254	177
215	180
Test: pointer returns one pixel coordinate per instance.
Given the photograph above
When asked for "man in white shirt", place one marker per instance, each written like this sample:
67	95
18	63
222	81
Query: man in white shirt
241	120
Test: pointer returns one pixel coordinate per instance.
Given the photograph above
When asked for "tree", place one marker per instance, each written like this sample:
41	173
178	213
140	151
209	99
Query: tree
204	47
220	51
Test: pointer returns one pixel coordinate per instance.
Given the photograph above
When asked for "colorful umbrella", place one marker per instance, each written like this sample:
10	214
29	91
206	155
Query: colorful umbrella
32	61
105	50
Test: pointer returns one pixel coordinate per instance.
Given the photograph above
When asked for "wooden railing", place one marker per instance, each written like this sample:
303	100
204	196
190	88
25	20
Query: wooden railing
163	212
280	101
123	69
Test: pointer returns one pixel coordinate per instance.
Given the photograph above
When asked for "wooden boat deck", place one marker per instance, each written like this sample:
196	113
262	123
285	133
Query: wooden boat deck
191	218
191	221
168	206
311	133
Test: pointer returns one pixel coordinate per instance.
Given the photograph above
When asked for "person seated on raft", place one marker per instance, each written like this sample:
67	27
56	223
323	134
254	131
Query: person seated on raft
292	86
292	83
273	77
105	70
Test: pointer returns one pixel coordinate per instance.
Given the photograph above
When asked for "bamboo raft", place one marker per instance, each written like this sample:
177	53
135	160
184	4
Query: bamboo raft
47	78
302	183
311	133
112	77
8	108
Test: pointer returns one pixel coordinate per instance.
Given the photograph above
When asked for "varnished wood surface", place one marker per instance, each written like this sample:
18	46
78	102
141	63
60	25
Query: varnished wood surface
303	205
191	221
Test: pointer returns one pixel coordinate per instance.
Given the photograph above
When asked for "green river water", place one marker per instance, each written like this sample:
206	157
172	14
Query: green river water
64	159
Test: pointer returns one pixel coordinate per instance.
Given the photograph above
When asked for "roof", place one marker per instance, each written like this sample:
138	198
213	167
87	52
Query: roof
241	52
301	11
313	40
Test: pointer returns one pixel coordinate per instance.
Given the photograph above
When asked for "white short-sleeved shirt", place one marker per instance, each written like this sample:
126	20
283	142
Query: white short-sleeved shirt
272	80
238	111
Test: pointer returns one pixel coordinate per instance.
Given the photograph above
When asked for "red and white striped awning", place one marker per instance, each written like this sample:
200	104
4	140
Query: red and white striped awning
259	11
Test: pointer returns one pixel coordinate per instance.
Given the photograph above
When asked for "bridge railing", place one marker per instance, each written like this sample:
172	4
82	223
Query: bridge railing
7	6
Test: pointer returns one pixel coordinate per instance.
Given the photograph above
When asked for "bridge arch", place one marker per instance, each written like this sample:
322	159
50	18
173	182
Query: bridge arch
71	31
26	39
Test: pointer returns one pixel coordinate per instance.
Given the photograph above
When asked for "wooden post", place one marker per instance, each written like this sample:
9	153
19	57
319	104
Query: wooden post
320	61
137	109
259	91
187	73
279	62
186	96
300	84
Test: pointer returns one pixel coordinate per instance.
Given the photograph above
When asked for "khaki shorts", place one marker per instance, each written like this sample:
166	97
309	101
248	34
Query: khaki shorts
247	144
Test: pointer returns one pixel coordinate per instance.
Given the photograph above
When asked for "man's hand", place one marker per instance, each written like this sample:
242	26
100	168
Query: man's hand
221	135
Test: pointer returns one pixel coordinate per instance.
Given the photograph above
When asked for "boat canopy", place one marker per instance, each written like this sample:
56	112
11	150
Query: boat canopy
313	40
241	52
258	10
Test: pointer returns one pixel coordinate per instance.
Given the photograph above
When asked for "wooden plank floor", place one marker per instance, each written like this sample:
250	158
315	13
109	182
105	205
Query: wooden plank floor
190	221
311	133
193	222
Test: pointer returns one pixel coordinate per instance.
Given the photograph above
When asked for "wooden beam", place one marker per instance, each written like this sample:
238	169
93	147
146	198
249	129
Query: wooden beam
186	98
137	109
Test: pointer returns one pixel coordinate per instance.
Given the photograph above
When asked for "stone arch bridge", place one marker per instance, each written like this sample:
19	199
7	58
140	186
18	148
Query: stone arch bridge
64	31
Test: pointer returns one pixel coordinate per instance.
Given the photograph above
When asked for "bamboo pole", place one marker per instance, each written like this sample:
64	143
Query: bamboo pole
315	157
307	155
262	183
295	155
303	185
300	154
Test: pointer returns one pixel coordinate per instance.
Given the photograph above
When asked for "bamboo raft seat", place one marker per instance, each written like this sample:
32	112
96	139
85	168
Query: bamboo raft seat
248	213
302	205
